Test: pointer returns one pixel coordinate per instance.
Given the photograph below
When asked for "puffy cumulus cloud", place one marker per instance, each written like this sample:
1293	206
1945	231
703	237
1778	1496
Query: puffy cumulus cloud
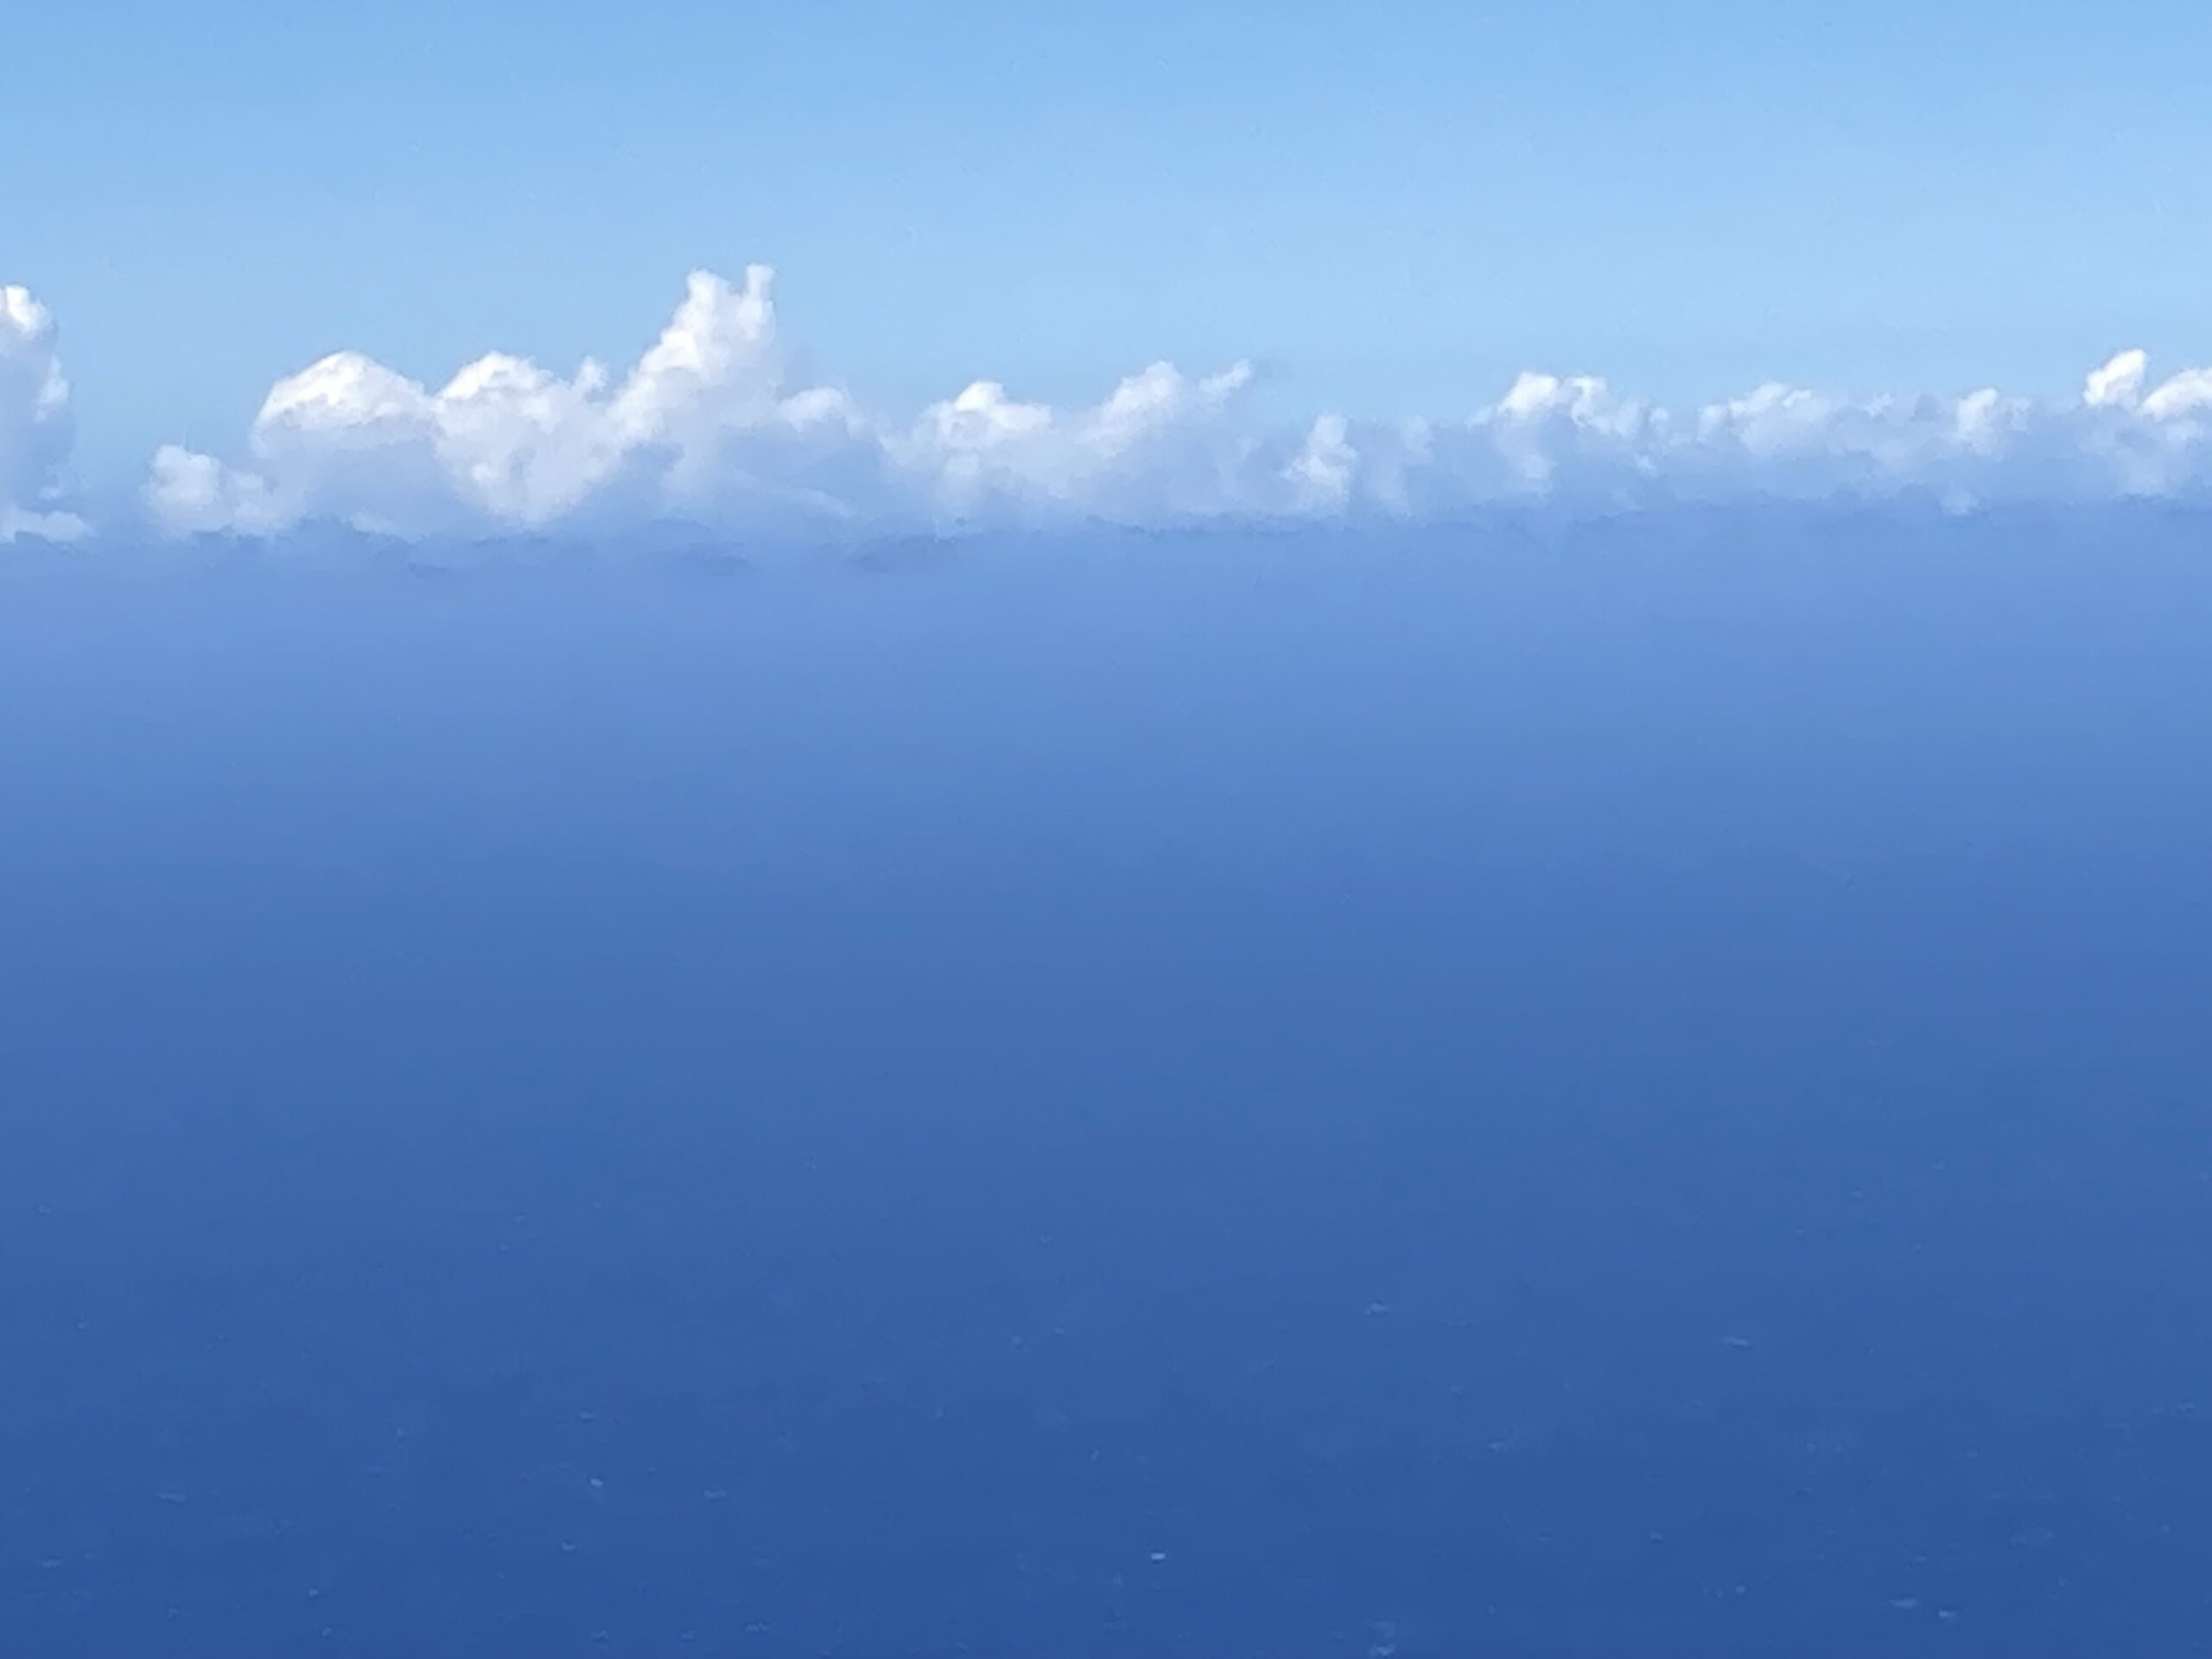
505	442
710	427
35	425
1159	448
706	426
1578	441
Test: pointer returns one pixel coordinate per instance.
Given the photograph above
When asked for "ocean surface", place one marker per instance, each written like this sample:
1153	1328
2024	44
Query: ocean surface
1628	1091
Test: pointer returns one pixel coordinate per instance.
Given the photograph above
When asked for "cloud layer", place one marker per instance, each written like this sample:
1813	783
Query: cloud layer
34	429
709	428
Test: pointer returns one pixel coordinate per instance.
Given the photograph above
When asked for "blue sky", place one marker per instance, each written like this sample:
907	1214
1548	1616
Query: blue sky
1391	211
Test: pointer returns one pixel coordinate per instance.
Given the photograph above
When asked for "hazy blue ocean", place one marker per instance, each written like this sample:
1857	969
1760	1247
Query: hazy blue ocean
1630	1091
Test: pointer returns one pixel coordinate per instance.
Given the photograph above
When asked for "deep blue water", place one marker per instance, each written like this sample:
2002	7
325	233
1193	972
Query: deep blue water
1637	1091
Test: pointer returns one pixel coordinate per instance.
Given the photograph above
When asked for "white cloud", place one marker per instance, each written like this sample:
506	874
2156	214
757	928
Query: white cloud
1578	441
1161	447
709	427
35	426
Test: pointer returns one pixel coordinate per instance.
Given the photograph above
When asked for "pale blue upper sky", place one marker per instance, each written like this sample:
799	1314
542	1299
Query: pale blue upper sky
1394	207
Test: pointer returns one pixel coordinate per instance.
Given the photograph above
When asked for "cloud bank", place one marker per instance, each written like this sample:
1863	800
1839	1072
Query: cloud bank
710	428
34	429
